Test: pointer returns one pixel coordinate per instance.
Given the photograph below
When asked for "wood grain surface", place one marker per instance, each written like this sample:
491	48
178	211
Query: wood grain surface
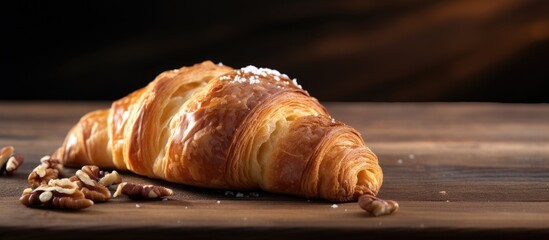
458	170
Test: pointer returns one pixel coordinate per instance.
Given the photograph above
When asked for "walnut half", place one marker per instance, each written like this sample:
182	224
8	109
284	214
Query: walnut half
377	206
109	179
49	168
9	160
58	194
87	180
102	177
49	162
138	191
42	175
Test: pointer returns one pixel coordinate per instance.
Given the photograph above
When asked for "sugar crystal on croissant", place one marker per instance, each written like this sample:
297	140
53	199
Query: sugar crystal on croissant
213	126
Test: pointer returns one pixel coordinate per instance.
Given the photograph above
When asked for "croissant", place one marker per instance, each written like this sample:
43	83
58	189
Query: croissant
213	126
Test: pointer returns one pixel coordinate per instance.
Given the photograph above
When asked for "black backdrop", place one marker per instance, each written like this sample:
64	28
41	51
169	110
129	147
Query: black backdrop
449	50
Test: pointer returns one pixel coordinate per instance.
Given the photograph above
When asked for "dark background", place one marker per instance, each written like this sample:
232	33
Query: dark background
403	50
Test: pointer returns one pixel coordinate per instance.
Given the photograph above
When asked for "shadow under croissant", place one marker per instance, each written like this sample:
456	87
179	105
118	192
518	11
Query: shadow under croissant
371	204
185	196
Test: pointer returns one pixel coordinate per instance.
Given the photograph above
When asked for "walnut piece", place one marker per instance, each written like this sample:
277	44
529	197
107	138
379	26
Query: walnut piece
87	180
13	163
5	154
111	178
49	162
58	194
49	168
377	206
139	191
42	175
102	177
9	160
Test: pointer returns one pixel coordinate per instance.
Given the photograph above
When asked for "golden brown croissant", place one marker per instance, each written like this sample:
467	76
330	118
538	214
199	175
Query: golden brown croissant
213	126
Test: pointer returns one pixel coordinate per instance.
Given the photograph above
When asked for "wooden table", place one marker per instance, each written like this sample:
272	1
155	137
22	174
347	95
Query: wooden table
458	170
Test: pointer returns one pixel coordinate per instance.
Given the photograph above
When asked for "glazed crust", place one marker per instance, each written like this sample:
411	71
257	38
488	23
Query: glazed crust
213	126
